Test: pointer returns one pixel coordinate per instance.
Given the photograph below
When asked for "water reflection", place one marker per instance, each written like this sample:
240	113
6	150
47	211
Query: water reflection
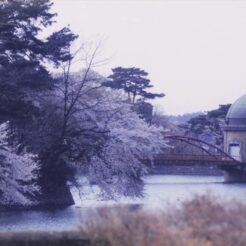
160	190
45	219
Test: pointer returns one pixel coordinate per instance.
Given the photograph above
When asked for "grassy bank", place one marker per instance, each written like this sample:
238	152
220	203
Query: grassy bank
203	221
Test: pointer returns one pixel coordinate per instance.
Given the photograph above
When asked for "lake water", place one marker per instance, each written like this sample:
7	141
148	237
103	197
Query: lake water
160	191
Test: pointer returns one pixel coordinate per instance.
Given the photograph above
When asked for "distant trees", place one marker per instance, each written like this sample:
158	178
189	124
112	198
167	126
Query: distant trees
182	118
209	127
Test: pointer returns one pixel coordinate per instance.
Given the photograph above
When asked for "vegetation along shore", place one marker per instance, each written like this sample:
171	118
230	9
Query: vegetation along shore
203	221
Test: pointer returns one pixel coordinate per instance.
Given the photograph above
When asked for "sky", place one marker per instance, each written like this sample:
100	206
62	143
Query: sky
194	51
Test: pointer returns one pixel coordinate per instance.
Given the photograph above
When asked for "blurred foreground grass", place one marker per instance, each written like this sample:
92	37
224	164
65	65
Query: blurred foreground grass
203	221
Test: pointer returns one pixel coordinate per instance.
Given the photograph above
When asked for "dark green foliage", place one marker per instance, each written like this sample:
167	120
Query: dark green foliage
24	55
25	79
133	81
212	120
144	109
58	44
209	126
197	124
219	113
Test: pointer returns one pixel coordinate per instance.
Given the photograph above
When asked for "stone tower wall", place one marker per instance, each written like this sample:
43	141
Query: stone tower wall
231	137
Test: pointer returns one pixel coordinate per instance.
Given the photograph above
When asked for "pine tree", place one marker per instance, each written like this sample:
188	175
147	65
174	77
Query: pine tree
24	55
133	81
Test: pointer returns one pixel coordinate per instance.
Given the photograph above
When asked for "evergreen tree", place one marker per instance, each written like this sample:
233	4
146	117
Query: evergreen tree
24	55
25	79
133	81
144	110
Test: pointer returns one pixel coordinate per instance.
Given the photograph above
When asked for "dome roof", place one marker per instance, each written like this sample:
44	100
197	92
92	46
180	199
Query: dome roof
237	112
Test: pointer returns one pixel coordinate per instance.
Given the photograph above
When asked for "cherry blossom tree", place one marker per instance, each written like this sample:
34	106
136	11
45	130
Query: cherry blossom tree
107	138
120	165
92	129
18	173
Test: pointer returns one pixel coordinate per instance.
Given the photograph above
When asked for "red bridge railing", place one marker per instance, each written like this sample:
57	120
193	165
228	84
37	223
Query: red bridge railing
213	154
216	159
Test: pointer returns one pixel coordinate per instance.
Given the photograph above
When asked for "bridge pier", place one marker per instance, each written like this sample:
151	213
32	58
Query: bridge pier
235	176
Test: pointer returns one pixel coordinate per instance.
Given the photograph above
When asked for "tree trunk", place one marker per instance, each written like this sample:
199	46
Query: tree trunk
53	182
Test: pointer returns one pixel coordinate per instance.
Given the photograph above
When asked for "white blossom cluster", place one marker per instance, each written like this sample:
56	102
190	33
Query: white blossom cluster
18	173
119	167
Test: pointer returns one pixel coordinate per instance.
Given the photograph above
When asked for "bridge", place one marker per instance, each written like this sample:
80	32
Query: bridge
184	159
211	155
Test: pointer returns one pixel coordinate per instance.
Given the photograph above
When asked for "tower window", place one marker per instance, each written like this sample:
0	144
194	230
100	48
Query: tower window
235	151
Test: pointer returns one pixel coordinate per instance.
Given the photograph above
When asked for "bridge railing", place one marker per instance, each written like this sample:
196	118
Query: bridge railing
213	153
193	158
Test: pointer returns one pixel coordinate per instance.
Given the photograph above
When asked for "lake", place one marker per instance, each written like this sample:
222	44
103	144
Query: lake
160	191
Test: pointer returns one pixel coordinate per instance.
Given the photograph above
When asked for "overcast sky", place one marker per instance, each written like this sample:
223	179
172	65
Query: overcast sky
194	51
